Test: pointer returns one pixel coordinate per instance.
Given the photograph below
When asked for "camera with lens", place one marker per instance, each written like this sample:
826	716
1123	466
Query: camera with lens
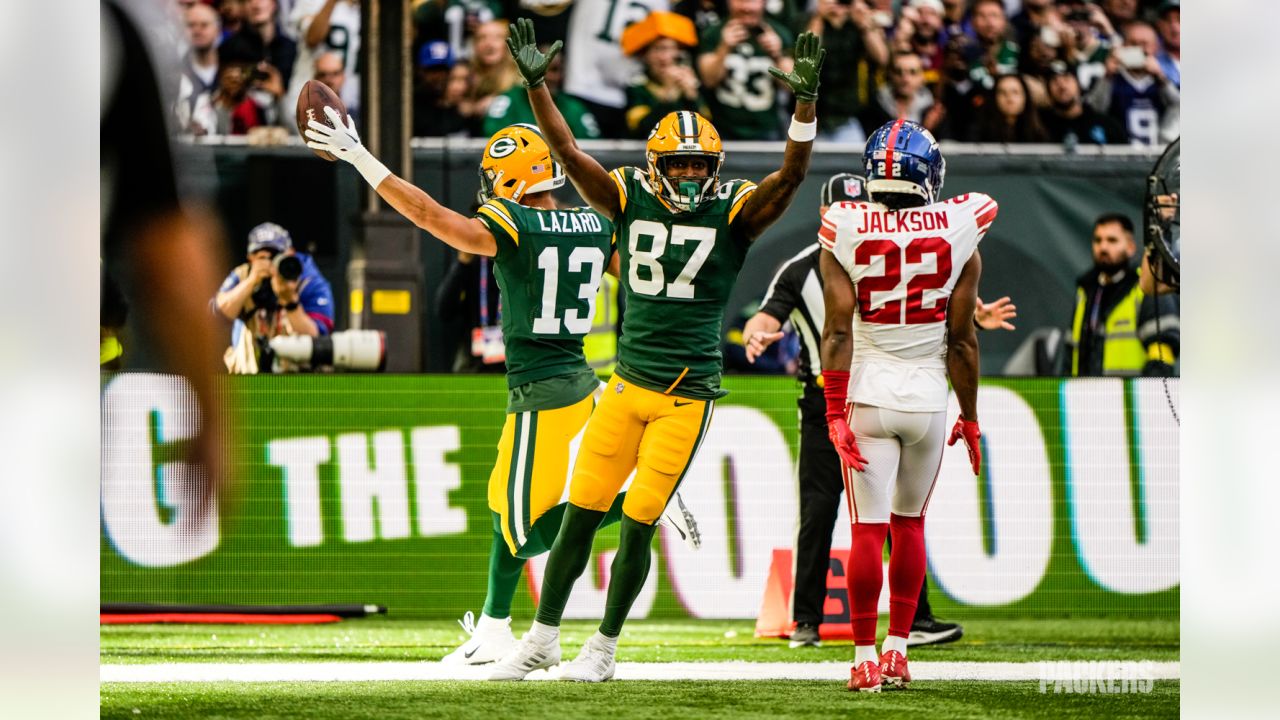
356	350
287	266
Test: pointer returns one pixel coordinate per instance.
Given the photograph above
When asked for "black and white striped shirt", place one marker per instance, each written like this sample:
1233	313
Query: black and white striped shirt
795	294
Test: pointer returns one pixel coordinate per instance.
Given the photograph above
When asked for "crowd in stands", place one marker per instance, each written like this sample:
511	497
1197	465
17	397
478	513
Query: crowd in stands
1004	71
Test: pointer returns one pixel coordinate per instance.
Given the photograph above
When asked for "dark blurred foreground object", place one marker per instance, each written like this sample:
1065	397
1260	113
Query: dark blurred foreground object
147	233
1162	216
1160	313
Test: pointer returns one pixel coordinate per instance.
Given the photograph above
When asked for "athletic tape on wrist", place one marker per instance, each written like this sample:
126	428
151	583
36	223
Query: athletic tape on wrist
373	171
802	131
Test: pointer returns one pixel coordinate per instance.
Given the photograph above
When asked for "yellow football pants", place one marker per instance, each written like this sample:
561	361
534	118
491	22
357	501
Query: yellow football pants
655	434
529	476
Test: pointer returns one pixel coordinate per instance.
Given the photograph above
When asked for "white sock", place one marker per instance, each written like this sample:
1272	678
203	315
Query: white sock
609	643
863	653
892	642
545	634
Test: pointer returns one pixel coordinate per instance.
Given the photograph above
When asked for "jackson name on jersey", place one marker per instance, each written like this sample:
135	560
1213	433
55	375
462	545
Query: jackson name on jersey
904	265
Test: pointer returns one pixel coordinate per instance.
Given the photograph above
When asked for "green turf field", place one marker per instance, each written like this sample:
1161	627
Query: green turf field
381	639
614	700
377	639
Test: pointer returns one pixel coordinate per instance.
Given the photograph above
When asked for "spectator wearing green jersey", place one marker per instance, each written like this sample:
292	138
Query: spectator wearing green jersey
513	106
999	53
669	83
734	60
856	45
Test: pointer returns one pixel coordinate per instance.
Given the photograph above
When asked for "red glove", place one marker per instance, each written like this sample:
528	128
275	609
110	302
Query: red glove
835	388
968	429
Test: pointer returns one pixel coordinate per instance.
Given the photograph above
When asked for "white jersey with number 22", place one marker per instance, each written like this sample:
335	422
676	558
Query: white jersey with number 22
904	265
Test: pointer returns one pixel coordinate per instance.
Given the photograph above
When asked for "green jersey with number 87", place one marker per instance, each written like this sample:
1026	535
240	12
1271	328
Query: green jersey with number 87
548	268
678	269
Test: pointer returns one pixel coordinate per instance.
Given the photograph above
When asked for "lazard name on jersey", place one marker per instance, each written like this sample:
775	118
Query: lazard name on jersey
576	221
678	269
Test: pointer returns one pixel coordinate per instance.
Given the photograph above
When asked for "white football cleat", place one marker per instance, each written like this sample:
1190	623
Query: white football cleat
528	655
490	639
678	517
594	664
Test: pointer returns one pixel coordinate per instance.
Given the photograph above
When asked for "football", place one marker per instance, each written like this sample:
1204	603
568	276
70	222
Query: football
315	96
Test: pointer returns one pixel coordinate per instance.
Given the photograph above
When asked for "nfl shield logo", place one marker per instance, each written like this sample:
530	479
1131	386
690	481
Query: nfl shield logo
618	388
852	187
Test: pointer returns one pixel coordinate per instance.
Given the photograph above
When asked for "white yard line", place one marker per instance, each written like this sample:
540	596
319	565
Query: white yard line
346	672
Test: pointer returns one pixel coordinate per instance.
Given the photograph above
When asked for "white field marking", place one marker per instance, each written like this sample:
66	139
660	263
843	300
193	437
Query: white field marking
358	671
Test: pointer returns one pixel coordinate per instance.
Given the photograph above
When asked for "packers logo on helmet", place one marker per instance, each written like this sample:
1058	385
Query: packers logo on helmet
516	162
684	134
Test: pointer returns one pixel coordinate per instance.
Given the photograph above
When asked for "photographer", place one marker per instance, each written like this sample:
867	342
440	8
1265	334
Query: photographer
279	291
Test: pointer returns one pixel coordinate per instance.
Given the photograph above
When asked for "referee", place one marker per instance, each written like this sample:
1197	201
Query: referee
796	295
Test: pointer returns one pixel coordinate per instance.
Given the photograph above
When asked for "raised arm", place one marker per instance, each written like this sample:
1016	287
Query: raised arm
587	175
775	193
455	229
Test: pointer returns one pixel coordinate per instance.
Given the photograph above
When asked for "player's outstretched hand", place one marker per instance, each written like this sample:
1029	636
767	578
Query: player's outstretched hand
845	443
530	61
996	315
803	78
969	432
341	140
759	342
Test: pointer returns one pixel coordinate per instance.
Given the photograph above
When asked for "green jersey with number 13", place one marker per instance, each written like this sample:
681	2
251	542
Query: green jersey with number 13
678	269
548	267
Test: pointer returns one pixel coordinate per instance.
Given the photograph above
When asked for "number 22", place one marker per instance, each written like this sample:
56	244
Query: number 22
891	312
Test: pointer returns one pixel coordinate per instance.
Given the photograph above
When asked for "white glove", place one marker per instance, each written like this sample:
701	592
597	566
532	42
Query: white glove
343	141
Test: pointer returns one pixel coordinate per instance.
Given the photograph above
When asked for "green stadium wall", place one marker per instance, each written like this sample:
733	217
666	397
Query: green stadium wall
371	489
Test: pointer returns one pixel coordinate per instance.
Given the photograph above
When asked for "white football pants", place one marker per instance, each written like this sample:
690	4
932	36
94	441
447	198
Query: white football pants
903	452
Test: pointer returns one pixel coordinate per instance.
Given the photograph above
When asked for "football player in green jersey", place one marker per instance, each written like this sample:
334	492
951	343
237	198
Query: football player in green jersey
682	236
548	263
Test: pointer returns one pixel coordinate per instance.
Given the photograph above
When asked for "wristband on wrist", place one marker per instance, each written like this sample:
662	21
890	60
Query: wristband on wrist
373	171
803	132
290	306
835	388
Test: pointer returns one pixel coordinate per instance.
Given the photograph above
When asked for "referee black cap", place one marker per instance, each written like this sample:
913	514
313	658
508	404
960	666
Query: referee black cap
844	186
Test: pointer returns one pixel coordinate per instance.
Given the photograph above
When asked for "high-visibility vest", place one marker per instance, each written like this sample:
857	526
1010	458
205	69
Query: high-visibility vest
601	344
1122	351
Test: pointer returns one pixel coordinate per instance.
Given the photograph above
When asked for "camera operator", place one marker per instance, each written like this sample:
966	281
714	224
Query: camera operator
279	291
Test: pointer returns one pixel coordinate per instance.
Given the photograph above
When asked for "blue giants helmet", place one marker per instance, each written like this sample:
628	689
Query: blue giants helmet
902	157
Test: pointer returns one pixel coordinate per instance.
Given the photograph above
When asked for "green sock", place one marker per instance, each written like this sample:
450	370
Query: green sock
568	560
504	576
630	568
